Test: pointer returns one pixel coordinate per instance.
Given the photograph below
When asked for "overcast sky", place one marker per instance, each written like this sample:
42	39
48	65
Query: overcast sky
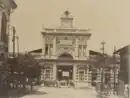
109	20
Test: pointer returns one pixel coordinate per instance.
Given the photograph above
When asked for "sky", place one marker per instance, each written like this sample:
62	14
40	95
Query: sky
109	20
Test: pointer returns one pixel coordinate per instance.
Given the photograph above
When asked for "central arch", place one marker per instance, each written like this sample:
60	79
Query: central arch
65	56
65	69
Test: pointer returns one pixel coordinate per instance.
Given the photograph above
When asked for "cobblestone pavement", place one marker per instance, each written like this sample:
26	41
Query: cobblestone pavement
46	92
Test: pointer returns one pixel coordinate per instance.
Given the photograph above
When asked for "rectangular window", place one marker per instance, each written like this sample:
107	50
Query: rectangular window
48	70
46	49
81	75
48	74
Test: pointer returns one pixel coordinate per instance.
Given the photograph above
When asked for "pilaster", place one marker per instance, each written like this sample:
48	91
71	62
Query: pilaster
43	45
86	50
49	50
54	71
76	47
74	71
54	46
82	52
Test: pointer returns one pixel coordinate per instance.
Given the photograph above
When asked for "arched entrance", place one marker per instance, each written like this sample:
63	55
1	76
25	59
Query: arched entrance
65	69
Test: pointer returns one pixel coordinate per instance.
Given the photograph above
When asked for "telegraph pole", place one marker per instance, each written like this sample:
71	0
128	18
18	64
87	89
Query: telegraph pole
13	40
102	74
103	47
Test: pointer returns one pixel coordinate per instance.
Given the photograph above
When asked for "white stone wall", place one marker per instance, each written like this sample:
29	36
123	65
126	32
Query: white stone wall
69	44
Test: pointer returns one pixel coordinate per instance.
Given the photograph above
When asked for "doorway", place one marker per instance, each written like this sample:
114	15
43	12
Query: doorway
64	73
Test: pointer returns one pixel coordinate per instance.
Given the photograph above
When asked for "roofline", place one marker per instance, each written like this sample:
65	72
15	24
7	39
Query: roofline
119	50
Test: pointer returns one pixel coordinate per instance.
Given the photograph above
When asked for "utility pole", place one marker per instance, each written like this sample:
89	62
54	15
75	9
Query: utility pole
17	44
103	47
102	73
13	40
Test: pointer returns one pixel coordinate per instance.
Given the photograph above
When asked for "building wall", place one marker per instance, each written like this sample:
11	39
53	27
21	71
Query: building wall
8	6
124	64
4	34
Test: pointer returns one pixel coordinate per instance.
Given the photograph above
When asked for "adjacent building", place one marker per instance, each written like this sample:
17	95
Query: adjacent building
6	8
124	63
124	75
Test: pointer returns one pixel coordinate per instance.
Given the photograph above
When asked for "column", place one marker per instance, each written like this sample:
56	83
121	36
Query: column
74	71
43	45
111	81
86	49
54	71
87	76
54	46
98	80
82	51
49	50
76	47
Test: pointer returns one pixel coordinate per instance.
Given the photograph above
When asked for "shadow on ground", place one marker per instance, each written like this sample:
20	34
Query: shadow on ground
38	93
20	93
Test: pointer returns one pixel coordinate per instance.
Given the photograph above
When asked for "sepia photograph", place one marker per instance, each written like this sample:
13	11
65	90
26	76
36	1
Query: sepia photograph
64	48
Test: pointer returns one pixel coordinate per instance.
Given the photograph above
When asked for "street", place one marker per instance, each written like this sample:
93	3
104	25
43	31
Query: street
49	92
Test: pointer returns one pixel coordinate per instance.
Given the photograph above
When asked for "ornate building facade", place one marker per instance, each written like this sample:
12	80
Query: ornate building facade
65	52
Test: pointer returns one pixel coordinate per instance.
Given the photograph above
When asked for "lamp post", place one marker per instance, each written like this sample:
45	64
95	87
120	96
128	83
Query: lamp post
17	37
